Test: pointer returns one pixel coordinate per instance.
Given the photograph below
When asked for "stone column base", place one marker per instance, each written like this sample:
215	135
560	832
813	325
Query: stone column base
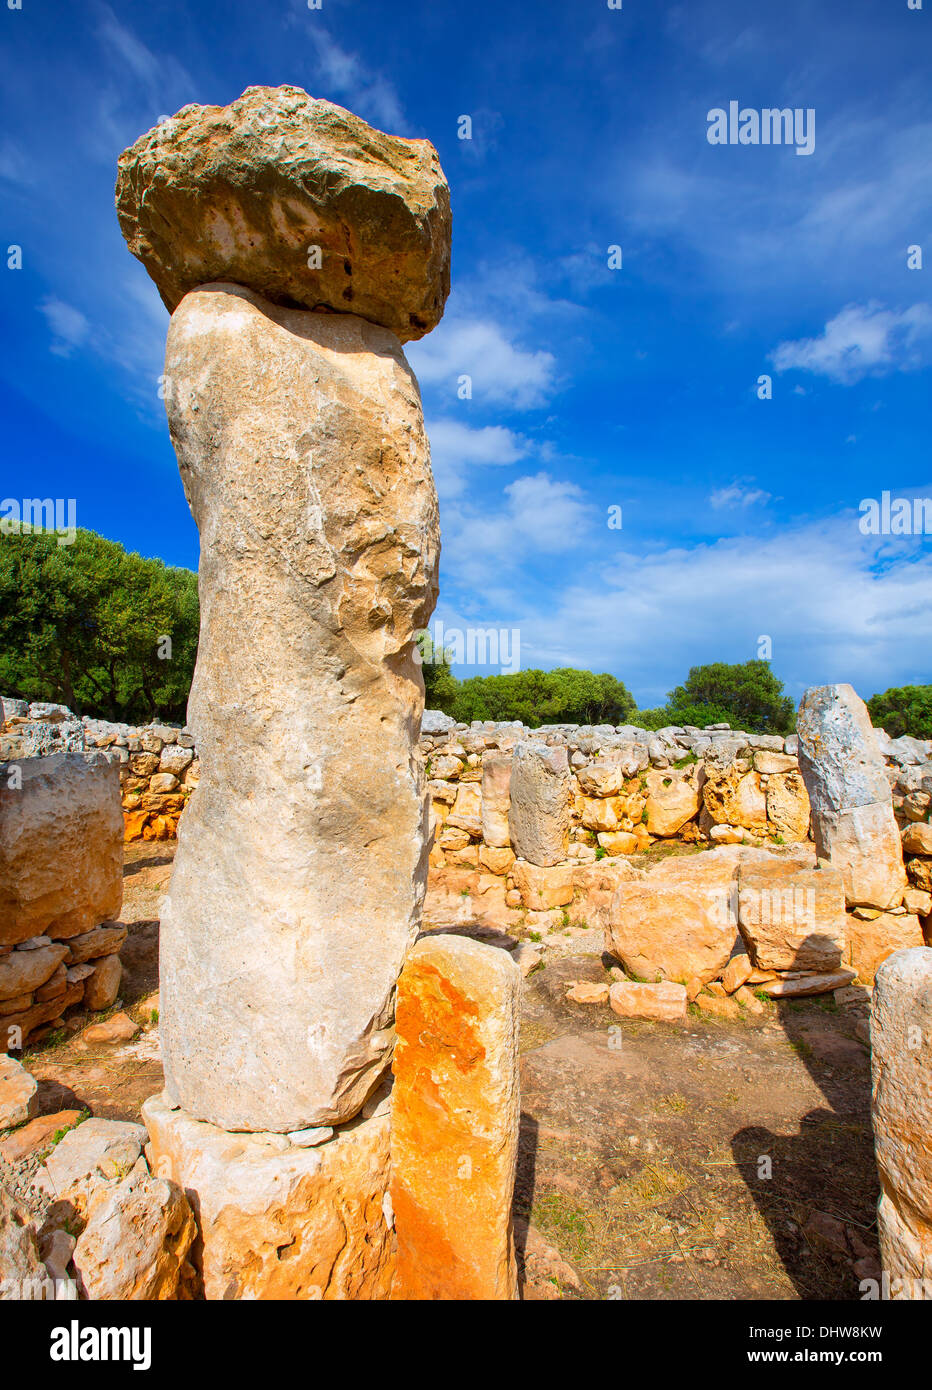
278	1221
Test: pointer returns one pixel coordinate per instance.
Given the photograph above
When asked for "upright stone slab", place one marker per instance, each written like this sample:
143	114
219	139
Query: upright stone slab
302	861
455	1116
496	799
541	794
852	812
901	1061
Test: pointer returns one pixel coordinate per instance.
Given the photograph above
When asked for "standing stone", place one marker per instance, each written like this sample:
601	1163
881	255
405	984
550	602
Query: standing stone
61	846
901	1062
455	1115
541	795
297	198
852	812
302	856
496	799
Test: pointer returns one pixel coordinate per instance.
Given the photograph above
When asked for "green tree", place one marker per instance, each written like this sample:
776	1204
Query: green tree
904	709
746	695
561	696
441	687
101	630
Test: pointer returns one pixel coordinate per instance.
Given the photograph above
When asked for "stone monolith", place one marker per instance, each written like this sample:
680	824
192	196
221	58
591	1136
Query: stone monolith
852	812
901	1061
455	1118
302	860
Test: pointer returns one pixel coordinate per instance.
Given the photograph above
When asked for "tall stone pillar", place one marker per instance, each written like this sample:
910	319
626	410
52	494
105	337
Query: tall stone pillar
901	1061
302	860
296	248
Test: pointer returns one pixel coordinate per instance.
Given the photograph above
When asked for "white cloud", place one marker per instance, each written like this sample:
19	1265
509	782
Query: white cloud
455	447
837	605
69	326
736	495
501	372
536	517
862	340
346	77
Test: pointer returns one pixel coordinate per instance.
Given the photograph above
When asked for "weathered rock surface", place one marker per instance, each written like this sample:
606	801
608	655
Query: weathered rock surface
94	1152
103	985
869	943
102	941
136	1241
671	802
542	889
665	1002
302	857
541	792
17	1088
901	1064
22	1272
21	972
852	816
496	799
788	808
246	191
455	1115
61	847
792	918
277	1220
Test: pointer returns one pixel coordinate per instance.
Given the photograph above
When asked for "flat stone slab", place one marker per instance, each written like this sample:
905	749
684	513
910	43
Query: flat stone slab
295	198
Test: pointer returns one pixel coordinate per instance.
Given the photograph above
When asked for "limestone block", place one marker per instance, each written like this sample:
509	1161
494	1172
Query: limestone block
455	1117
496	799
869	943
61	847
136	1241
792	918
278	1220
541	793
246	192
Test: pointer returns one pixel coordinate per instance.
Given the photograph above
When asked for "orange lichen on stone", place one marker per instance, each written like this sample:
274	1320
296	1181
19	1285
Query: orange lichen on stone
455	1114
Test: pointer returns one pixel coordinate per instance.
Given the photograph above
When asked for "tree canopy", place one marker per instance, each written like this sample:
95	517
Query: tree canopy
904	709
563	696
106	632
746	695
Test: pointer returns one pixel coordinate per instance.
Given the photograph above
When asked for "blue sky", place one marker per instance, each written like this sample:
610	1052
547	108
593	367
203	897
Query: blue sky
592	387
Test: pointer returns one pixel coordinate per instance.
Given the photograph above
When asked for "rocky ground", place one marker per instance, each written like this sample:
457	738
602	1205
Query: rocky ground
645	1147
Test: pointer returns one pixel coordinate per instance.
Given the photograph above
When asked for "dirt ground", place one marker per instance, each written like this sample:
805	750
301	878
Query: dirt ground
716	1161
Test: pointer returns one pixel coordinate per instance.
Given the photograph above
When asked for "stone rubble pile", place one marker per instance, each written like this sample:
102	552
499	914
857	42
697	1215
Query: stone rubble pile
82	1216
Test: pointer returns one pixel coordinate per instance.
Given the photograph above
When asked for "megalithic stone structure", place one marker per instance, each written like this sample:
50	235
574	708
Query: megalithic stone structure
302	860
901	1063
852	811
